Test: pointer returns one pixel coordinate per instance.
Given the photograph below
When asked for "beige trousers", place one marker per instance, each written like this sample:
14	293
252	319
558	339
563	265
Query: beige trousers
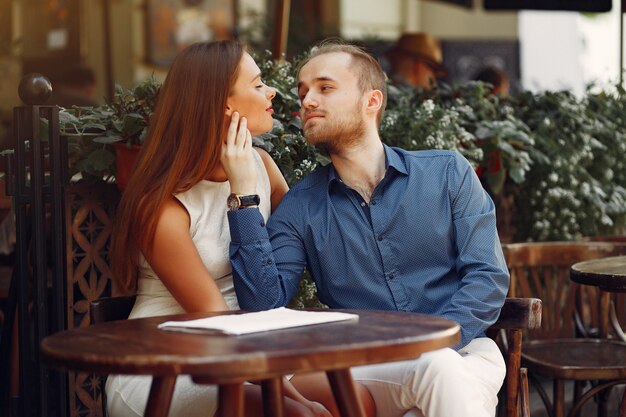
442	383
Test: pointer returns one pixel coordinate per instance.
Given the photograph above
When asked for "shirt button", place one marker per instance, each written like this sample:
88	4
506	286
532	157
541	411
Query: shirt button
373	202
269	262
362	203
391	276
380	237
262	223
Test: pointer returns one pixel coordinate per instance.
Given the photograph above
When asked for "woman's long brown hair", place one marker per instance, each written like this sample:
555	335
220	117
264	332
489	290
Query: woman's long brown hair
182	147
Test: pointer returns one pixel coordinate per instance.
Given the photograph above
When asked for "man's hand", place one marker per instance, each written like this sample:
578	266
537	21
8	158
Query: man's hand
237	157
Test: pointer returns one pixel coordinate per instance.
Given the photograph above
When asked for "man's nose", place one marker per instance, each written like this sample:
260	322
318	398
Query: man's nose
309	101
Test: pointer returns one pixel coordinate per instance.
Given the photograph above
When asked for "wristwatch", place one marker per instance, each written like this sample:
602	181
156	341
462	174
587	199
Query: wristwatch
235	201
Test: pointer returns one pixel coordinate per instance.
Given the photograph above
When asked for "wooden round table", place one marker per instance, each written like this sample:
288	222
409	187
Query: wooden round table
609	275
138	347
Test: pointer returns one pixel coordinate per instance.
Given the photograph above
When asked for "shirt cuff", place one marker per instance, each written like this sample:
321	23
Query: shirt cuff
246	225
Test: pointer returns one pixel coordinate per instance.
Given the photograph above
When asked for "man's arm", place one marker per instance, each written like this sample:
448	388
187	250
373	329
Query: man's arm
480	263
265	274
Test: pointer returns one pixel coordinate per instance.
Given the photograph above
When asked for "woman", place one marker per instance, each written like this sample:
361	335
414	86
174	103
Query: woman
170	241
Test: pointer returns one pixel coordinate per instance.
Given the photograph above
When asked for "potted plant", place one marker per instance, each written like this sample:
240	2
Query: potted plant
105	140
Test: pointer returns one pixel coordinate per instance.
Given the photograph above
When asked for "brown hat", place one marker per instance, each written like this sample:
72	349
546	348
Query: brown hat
420	46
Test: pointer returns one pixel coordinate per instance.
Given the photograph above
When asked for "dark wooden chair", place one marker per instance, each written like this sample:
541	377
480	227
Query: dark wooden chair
516	316
109	309
554	350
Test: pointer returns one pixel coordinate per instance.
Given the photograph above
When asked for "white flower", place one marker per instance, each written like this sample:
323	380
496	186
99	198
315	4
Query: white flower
585	188
429	106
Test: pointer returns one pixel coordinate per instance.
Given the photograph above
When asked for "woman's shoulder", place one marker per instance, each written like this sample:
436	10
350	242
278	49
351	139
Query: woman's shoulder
265	156
173	209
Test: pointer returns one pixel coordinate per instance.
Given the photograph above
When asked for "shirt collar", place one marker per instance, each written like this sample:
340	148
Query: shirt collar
392	160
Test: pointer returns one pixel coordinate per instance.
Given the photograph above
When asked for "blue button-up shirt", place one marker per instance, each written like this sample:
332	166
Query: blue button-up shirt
426	243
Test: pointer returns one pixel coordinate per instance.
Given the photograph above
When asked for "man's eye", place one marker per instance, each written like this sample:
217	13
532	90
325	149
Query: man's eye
325	87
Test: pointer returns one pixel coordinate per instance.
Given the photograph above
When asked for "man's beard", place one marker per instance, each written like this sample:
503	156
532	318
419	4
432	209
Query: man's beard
337	134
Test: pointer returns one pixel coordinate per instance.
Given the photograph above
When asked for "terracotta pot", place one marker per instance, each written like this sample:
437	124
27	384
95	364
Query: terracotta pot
125	159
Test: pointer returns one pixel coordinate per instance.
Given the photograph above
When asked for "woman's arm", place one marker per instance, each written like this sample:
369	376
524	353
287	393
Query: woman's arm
175	259
277	181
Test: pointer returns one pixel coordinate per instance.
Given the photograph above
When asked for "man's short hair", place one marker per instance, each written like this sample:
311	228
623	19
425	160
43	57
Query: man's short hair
369	73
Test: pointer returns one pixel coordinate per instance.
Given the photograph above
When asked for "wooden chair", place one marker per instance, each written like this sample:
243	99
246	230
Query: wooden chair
109	309
553	350
516	315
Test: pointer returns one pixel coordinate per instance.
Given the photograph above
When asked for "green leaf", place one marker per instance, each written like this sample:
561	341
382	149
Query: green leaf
101	159
107	139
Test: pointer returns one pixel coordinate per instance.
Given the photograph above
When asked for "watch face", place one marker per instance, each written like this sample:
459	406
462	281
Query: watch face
235	202
232	202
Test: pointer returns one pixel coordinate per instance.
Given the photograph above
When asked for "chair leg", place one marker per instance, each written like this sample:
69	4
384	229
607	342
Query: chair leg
603	402
578	391
524	397
622	407
559	398
545	399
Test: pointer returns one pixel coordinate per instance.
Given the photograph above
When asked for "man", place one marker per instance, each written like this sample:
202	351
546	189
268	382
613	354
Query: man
378	228
497	78
416	60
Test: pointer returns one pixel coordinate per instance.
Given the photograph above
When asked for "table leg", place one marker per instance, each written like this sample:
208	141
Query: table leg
605	302
160	398
273	397
345	394
230	400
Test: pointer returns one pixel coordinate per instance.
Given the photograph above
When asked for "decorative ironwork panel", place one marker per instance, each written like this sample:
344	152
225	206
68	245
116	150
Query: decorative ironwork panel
89	211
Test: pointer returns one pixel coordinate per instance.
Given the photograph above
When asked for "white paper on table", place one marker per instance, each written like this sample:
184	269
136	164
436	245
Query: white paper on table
239	324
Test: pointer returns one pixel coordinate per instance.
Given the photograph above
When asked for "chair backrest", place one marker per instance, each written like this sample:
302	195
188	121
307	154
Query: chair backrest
110	308
541	269
516	315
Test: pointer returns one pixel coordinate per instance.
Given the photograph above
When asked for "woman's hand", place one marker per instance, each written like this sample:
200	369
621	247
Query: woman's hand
237	157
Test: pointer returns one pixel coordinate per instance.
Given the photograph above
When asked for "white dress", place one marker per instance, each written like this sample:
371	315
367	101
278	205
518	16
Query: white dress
206	204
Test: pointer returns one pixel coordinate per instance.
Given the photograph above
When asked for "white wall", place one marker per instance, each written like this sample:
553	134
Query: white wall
568	50
550	50
388	19
370	18
453	22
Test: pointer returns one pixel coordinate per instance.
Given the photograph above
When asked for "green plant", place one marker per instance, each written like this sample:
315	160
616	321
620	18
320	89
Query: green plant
576	183
91	130
560	157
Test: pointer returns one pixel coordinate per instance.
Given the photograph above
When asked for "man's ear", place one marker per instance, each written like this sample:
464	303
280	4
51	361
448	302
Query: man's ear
374	101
